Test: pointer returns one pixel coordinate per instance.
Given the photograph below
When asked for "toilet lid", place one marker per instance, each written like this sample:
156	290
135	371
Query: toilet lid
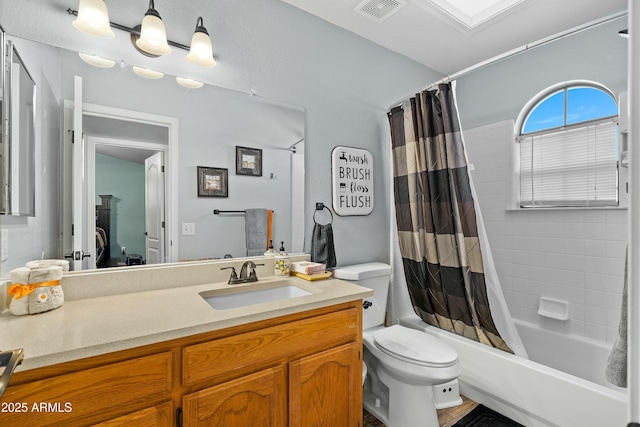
415	346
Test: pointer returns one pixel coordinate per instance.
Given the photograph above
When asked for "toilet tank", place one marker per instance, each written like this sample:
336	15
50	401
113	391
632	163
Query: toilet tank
372	275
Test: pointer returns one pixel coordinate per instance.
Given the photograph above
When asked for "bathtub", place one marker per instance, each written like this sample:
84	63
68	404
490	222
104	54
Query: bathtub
580	356
529	392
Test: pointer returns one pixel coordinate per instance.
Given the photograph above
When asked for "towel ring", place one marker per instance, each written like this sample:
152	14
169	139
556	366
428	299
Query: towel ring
321	207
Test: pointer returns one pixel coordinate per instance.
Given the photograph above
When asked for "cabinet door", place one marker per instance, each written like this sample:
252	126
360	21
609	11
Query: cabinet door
158	416
325	389
254	400
92	395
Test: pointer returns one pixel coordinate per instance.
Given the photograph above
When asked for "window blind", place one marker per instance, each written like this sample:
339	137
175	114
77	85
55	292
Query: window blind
572	167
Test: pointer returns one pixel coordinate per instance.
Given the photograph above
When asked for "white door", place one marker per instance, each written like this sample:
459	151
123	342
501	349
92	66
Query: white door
154	208
76	245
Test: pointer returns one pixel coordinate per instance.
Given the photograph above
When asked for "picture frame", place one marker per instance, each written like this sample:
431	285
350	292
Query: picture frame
248	161
213	182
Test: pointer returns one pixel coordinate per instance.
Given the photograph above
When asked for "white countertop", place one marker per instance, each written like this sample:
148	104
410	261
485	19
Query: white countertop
92	326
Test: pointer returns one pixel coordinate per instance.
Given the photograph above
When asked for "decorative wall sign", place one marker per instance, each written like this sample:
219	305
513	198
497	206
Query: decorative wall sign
352	181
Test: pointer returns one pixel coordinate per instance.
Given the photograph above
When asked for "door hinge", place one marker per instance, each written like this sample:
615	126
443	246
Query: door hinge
73	136
162	168
179	417
72	229
162	224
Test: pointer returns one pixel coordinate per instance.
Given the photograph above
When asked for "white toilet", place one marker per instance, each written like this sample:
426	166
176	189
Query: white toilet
409	374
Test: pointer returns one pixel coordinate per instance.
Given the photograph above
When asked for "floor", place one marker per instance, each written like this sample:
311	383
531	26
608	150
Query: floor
446	417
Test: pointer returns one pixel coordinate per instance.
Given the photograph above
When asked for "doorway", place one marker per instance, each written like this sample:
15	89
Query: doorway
106	131
126	180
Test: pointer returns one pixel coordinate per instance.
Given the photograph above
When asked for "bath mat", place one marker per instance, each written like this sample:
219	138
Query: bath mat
481	416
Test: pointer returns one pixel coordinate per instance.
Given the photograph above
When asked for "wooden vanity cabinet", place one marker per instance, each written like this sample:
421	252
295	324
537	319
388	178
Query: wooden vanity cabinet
323	386
302	369
253	400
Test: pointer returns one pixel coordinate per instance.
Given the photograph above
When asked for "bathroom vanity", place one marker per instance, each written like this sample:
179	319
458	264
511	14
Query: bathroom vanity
178	361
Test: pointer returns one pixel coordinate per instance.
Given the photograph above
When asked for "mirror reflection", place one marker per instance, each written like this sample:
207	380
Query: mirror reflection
18	143
127	120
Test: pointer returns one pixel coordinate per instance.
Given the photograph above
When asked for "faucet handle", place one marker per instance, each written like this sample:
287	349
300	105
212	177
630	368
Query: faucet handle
253	274
234	275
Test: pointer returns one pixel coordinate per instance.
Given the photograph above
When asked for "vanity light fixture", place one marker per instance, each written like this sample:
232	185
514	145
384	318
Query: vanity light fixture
97	61
150	38
153	37
147	73
201	52
189	83
93	18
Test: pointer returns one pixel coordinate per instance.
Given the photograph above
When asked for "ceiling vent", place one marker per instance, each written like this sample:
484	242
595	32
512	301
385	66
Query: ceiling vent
380	10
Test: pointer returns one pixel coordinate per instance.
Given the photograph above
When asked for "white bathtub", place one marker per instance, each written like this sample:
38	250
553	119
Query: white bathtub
529	392
577	356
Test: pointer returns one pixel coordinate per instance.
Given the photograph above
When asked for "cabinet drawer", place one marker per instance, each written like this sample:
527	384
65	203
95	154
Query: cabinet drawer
238	355
92	395
158	416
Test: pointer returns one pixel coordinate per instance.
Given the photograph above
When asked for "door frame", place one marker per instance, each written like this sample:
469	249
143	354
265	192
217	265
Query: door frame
91	143
170	161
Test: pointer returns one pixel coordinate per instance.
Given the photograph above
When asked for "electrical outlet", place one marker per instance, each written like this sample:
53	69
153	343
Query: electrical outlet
188	228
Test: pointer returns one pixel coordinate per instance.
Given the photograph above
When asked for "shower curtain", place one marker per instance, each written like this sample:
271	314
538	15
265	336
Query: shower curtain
437	224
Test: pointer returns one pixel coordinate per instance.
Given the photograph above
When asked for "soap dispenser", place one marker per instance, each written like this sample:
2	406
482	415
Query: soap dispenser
281	265
270	251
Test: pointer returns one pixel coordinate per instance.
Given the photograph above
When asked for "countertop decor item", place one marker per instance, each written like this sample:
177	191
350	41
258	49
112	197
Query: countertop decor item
36	288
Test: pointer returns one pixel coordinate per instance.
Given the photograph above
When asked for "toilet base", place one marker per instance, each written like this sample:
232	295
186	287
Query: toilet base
398	404
447	395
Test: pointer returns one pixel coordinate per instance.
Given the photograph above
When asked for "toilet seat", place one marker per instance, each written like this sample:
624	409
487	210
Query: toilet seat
413	346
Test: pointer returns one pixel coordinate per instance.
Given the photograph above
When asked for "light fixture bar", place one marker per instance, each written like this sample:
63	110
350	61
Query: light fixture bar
132	31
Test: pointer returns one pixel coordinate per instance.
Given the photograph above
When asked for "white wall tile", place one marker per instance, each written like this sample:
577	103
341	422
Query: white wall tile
576	255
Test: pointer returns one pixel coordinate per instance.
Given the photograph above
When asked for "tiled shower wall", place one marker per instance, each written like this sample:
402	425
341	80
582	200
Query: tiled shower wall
573	255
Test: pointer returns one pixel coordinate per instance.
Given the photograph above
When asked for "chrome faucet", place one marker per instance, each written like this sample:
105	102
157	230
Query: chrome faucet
245	275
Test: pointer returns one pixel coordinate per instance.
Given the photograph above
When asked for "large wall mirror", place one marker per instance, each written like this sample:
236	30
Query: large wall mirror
127	119
17	196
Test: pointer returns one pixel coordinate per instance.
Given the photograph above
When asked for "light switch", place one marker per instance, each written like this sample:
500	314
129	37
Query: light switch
188	228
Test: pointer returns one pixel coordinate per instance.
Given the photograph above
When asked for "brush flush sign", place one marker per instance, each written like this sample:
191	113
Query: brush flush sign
352	181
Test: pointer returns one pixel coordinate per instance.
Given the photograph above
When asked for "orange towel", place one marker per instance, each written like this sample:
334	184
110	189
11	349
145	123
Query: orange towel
269	226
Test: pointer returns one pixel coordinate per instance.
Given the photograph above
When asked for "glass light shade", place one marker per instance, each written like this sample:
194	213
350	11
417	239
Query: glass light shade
93	18
153	37
147	73
201	52
189	83
97	61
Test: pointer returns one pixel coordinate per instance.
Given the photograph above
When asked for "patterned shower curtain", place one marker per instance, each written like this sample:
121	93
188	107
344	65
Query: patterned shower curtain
436	218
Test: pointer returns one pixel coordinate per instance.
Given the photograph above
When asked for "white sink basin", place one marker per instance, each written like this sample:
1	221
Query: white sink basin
244	297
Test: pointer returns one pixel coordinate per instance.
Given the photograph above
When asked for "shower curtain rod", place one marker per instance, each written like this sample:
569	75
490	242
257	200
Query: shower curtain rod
515	52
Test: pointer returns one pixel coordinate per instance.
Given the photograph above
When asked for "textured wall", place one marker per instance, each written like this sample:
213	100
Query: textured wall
344	83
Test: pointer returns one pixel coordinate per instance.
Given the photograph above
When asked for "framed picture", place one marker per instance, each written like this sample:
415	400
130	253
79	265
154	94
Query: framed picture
248	161
213	182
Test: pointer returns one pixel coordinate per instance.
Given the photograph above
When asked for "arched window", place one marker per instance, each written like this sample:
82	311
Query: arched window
568	147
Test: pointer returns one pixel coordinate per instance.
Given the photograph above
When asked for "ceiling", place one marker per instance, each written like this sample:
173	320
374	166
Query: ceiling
419	30
423	32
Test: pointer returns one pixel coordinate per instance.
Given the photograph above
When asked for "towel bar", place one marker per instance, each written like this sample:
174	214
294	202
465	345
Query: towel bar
218	211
